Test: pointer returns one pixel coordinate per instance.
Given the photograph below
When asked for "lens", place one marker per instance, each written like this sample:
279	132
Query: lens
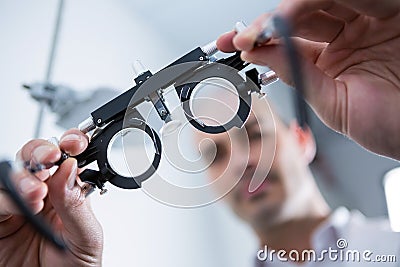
214	101
130	152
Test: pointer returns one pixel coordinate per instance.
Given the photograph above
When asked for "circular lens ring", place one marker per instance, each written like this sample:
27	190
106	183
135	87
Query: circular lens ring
103	161
216	70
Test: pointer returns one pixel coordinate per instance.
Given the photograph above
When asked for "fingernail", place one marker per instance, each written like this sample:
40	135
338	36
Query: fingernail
247	39
240	26
27	185
264	36
249	32
244	56
40	153
71	137
72	176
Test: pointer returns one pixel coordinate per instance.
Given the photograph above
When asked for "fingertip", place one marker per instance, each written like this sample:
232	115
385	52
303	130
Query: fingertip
224	42
245	56
37	207
74	142
32	190
254	57
25	153
66	173
18	155
68	166
64	192
245	40
46	153
43	175
75	131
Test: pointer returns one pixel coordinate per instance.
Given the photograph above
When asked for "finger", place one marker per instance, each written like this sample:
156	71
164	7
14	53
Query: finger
29	188
320	21
274	56
42	175
11	224
9	208
45	155
81	226
326	95
246	39
74	142
224	42
342	12
319	27
378	9
39	151
295	9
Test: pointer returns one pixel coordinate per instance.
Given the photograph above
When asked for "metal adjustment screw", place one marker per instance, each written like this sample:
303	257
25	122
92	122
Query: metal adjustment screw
87	125
210	48
261	94
103	191
87	189
268	78
138	68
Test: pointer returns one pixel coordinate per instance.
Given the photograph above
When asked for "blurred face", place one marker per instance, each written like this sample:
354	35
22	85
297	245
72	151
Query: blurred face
267	159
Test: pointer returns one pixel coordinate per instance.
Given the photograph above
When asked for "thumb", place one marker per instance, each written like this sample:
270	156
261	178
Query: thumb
79	224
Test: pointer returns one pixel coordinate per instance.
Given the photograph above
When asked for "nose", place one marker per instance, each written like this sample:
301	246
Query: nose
245	159
254	155
257	167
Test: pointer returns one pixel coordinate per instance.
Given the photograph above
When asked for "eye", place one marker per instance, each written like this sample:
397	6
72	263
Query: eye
255	135
220	154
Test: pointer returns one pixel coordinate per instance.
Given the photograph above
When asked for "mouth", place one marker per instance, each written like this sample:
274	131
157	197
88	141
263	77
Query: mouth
256	195
261	192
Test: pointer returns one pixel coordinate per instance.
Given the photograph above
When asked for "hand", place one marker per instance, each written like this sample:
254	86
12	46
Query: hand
350	60
59	199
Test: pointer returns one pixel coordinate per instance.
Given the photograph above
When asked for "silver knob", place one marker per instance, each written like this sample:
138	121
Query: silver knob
268	78
87	125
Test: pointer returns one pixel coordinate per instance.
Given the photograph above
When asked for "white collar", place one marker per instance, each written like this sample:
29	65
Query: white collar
333	228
